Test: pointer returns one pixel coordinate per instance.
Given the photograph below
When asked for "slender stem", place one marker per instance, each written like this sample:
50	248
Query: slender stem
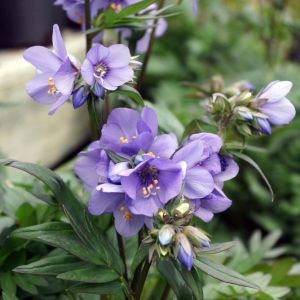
136	276
142	279
87	10
106	109
122	254
165	294
149	51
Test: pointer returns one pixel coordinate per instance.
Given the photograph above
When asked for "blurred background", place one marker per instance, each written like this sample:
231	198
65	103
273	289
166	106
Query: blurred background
255	40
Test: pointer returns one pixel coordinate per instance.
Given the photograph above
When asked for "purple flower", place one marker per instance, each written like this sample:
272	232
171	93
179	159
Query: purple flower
272	102
54	82
76	11
185	253
107	66
151	184
100	176
127	132
206	171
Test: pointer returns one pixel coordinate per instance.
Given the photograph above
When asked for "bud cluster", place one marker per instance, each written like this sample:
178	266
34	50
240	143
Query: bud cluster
173	236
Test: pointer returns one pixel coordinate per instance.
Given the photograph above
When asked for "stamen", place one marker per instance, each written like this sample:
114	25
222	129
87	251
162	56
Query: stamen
128	215
100	71
116	7
52	90
123	140
122	208
150	153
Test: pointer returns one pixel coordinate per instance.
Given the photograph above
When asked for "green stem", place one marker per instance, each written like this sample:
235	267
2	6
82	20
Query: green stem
166	291
141	78
122	254
87	10
142	279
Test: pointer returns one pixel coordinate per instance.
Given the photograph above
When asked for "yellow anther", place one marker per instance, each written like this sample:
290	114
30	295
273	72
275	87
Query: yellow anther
145	192
150	186
116	7
151	154
122	208
155	181
157	188
123	140
128	215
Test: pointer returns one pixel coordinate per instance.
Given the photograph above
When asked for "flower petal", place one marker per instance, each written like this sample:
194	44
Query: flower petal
149	116
58	43
118	76
198	183
164	145
42	58
230	171
87	72
61	100
101	202
280	112
275	91
119	56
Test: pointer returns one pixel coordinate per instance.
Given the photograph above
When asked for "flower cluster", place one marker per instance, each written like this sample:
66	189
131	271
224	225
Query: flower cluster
174	236
133	171
249	113
60	76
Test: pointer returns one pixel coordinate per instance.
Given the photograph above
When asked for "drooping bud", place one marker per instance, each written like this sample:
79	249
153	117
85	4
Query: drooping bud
185	253
79	96
98	90
135	64
166	234
197	237
264	126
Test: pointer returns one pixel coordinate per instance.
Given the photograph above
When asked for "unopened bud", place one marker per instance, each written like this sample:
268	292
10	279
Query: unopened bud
79	96
197	237
185	253
163	215
166	234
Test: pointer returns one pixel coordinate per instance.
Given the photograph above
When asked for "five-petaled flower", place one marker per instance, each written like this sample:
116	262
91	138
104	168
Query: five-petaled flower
56	76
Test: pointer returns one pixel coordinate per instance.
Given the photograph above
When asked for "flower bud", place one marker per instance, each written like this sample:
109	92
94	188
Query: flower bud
163	215
166	234
98	90
264	126
181	210
79	96
197	237
185	253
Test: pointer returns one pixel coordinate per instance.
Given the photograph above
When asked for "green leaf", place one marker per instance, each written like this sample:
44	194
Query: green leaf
216	248
51	265
280	269
190	281
81	222
135	8
25	285
26	215
7	284
222	273
174	278
131	92
98	289
250	161
139	256
61	235
90	274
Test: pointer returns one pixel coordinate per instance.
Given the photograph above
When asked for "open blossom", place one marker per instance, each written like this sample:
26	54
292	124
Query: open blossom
56	73
151	184
272	102
127	133
109	67
100	176
207	169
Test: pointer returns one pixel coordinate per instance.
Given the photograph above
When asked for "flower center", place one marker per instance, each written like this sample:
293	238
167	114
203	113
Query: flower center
101	70
52	90
149	179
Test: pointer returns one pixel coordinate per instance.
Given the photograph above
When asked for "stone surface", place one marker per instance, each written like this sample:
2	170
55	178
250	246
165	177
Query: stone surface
27	133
